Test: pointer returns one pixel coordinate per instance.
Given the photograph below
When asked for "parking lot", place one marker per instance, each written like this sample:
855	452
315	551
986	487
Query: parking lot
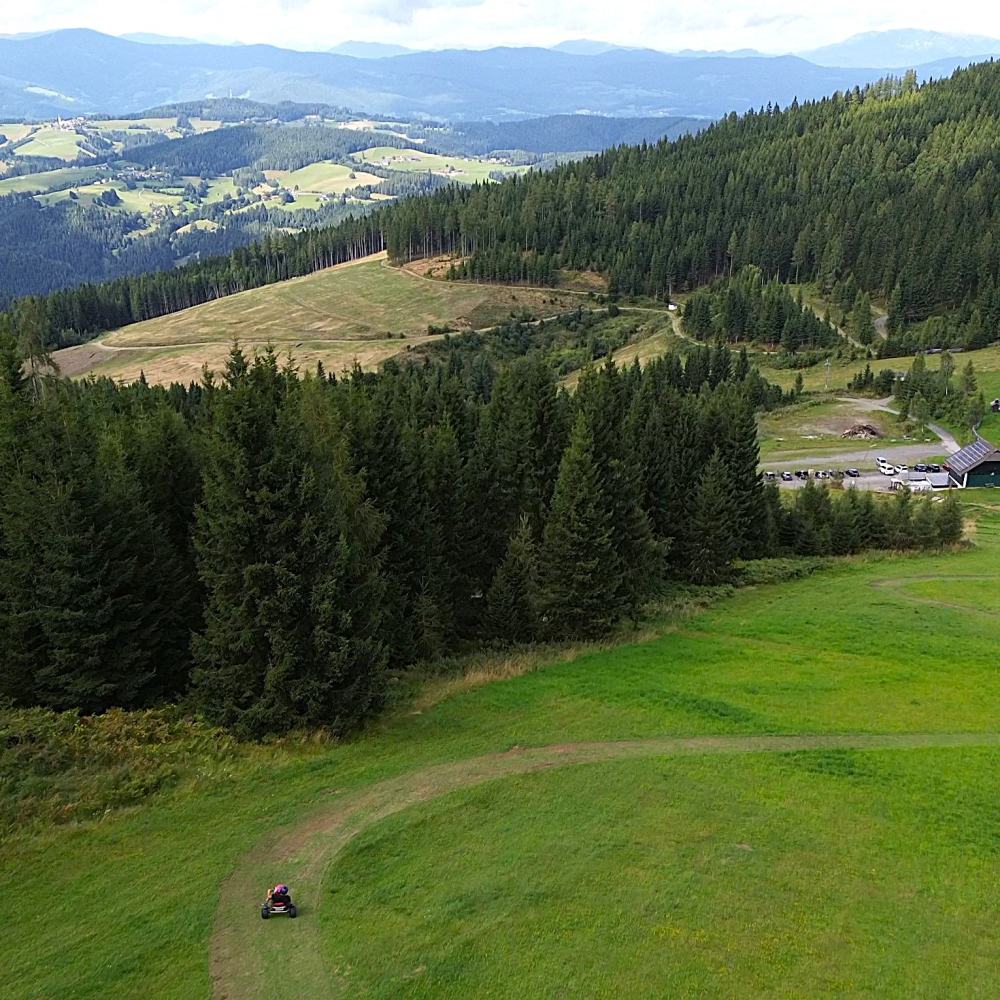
867	478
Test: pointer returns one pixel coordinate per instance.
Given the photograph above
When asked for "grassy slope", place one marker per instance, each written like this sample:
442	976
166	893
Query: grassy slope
990	428
336	316
52	142
816	425
140	199
847	851
14	131
721	877
985	361
464	170
49	179
323	178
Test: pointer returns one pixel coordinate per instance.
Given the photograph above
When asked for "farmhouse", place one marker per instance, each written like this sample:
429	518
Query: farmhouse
977	464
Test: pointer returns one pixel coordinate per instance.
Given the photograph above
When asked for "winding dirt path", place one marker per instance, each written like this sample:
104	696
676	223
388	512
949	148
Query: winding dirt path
248	954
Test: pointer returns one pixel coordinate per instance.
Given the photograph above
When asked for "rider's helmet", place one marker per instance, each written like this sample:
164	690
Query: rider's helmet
281	888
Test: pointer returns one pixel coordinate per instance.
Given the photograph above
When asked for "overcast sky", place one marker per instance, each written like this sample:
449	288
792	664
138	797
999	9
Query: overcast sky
771	25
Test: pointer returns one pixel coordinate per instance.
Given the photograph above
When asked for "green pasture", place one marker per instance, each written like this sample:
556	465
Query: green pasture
461	169
323	178
821	873
990	428
140	199
986	362
52	142
49	180
15	131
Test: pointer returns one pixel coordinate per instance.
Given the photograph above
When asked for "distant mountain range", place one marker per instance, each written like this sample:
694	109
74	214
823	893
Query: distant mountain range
902	48
81	71
370	50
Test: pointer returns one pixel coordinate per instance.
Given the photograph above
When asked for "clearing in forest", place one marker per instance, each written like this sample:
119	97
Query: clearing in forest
365	311
462	169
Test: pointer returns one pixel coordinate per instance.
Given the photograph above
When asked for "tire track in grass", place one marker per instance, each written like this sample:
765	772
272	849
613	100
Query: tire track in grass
250	958
897	585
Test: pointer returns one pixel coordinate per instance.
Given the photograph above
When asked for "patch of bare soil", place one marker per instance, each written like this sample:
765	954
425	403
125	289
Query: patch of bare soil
862	432
73	361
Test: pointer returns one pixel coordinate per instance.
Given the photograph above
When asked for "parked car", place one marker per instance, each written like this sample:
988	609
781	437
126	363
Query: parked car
787	477
822	475
933	467
854	473
902	468
920	467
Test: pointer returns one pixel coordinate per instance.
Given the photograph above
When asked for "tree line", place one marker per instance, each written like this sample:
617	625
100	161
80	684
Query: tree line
269	546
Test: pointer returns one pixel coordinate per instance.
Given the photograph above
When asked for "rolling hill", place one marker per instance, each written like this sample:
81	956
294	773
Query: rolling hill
84	71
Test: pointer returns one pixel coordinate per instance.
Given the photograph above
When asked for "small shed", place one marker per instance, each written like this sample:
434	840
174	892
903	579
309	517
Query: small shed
977	464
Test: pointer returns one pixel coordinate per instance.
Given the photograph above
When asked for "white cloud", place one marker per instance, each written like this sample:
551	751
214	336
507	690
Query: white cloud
777	26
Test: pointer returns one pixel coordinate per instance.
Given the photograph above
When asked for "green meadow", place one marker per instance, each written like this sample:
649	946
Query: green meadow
784	790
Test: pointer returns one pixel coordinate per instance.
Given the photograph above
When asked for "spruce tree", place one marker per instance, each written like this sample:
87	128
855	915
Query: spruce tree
924	526
712	545
287	553
84	589
513	598
579	567
949	520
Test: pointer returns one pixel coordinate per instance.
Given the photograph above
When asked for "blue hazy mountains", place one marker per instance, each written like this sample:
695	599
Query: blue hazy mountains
81	71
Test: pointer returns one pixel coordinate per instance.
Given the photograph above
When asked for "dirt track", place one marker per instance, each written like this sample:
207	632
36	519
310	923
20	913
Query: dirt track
246	951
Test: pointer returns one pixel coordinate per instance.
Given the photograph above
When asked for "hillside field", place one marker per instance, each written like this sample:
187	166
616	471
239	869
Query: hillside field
49	180
364	311
464	170
323	178
767	798
53	142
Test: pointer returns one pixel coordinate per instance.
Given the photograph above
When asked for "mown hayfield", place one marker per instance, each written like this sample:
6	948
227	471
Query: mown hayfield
52	142
364	311
186	364
15	131
459	168
323	178
49	180
814	874
985	361
688	851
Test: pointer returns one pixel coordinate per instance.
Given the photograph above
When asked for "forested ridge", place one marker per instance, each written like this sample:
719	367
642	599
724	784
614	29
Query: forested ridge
260	147
894	186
